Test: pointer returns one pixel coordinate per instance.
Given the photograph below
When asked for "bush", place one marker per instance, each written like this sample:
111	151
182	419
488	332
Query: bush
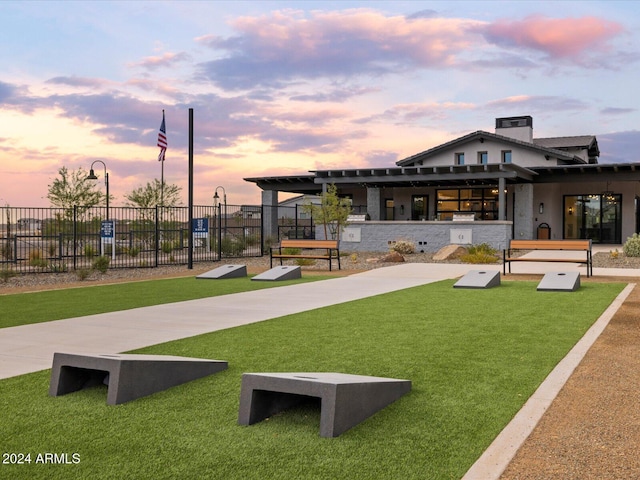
480	254
58	267
36	260
631	247
89	251
83	274
101	264
6	274
232	246
134	252
167	247
404	247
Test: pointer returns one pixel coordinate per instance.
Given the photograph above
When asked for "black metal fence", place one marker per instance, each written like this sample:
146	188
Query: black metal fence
36	240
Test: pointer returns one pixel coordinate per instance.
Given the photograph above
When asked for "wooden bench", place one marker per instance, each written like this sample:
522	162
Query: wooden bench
575	245
330	247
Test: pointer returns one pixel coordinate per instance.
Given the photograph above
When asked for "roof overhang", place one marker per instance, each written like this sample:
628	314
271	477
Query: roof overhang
454	175
613	172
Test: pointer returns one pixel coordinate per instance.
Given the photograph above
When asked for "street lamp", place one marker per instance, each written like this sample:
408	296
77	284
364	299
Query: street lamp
216	199
92	176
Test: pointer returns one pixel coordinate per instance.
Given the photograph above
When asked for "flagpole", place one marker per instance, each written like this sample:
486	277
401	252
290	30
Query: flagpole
162	174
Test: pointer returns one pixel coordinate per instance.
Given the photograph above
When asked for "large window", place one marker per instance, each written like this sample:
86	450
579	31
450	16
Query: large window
597	217
420	207
483	158
482	201
459	159
506	156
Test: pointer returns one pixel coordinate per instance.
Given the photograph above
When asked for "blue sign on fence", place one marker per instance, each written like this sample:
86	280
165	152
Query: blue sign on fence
200	227
107	229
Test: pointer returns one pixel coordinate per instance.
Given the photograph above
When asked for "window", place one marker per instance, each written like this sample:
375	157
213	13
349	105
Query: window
483	158
459	159
482	201
506	156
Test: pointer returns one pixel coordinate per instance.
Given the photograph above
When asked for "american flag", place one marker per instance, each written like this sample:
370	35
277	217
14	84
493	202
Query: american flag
162	139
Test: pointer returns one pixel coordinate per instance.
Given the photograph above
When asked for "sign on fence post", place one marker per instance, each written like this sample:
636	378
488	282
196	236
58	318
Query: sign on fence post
107	236
200	229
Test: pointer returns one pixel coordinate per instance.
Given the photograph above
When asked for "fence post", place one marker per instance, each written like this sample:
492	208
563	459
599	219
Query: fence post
157	236
75	237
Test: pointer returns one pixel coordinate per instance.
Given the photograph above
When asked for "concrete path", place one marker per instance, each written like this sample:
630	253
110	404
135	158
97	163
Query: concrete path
30	348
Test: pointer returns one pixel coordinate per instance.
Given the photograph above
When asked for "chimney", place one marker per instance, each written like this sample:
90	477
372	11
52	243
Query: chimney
519	128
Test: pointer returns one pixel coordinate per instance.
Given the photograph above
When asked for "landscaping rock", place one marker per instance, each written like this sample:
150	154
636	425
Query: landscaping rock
450	252
392	257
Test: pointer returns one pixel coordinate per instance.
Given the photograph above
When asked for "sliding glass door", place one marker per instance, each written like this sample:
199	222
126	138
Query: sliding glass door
596	216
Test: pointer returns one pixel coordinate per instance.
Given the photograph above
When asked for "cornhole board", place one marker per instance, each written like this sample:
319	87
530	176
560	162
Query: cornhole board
346	400
128	376
560	282
479	279
279	273
223	272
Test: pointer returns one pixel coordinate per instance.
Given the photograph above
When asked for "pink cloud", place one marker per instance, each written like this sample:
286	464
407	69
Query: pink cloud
167	59
286	44
558	38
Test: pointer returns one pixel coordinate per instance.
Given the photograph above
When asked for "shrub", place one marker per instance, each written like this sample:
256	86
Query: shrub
52	249
302	262
232	246
134	251
101	264
6	250
83	274
482	253
631	247
404	247
167	247
36	260
58	267
89	251
6	274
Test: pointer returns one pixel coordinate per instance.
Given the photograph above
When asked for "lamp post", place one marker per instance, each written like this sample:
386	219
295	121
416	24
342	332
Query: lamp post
92	176
216	199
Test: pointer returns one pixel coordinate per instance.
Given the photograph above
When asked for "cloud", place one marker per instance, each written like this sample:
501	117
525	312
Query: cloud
412	113
617	111
275	49
619	147
536	103
166	60
335	95
558	38
74	81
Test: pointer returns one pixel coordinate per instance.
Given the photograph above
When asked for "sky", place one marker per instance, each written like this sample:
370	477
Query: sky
284	88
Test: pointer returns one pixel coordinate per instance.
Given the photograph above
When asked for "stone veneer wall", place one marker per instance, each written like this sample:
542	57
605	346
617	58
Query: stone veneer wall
372	236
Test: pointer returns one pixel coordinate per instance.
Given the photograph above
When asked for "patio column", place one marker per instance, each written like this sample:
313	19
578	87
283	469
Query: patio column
374	203
502	199
270	214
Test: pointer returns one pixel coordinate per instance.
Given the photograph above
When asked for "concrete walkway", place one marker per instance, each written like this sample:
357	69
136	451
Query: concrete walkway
30	348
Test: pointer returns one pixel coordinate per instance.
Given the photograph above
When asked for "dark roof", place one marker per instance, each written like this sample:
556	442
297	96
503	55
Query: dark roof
587	142
480	135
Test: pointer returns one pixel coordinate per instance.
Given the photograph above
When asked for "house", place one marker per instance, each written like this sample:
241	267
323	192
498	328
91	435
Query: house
483	188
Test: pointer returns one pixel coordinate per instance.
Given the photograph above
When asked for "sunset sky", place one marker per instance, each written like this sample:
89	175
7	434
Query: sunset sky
282	88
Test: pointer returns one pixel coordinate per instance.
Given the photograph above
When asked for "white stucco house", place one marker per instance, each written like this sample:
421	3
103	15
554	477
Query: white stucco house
483	187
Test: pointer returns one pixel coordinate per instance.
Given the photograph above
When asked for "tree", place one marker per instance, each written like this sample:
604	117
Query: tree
74	188
152	194
332	212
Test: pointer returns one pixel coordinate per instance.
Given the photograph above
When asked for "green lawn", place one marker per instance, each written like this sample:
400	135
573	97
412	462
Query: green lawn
473	356
36	307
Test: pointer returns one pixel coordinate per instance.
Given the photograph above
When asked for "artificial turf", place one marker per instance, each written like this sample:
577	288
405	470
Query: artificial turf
473	356
37	307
